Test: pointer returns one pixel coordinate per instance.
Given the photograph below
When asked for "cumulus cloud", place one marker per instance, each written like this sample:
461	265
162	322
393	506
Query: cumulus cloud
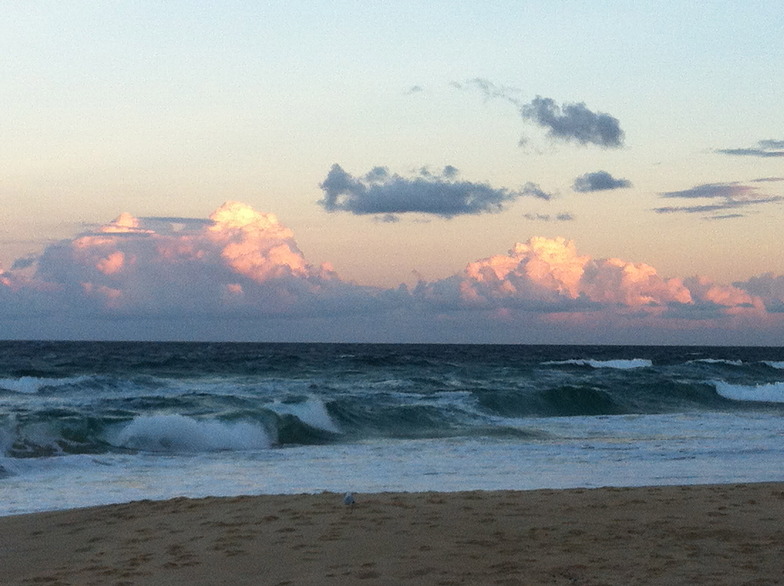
574	122
547	273
239	259
724	196
599	181
764	148
547	276
570	122
239	274
440	194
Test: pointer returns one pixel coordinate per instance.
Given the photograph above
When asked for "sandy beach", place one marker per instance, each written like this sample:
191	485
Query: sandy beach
720	534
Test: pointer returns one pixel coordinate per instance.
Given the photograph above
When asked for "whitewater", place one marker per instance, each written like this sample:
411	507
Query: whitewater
88	423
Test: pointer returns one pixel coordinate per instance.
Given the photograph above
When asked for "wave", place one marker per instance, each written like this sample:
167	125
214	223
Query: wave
177	433
774	364
719	361
311	412
618	363
765	393
30	385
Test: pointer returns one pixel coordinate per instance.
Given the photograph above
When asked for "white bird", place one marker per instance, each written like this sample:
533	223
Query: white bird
348	499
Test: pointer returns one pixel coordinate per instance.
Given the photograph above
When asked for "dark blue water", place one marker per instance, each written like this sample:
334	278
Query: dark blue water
95	406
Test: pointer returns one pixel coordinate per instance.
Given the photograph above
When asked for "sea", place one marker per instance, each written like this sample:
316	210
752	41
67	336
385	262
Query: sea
91	423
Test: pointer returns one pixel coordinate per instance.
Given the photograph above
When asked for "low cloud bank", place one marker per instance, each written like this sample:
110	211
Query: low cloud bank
240	275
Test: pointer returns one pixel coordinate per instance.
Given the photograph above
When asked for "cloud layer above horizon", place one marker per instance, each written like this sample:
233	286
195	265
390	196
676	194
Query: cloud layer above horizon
243	264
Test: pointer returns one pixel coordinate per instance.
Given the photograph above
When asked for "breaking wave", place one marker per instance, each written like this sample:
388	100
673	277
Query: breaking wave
618	364
177	433
765	393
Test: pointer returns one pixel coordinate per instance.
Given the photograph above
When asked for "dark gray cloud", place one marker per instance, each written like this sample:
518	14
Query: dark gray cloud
574	122
764	148
563	217
567	122
387	219
724	217
24	262
599	181
534	190
728	191
767	286
440	194
729	196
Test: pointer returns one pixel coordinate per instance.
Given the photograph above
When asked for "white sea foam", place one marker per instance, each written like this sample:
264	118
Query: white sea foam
774	364
311	412
719	361
619	363
768	393
177	433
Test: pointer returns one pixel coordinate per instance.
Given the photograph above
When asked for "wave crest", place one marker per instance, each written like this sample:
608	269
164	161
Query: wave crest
620	364
767	393
177	433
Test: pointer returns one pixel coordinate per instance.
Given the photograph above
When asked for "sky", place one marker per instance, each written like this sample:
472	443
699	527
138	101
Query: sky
442	171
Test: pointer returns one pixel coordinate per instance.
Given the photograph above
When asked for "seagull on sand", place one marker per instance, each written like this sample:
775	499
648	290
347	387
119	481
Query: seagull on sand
348	500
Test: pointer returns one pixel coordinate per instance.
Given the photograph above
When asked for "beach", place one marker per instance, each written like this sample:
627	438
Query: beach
706	534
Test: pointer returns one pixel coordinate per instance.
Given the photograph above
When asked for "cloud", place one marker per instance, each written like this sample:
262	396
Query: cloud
439	194
574	122
768	287
764	148
490	90
562	217
599	181
569	122
238	260
549	274
239	275
534	190
574	293
24	262
730	196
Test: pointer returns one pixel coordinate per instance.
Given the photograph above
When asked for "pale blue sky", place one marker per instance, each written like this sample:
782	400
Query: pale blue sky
172	108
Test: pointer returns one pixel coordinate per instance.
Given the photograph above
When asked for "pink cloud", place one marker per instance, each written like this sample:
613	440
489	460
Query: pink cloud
551	270
245	264
240	258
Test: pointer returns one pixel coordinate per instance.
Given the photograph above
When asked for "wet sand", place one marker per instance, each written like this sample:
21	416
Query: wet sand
724	534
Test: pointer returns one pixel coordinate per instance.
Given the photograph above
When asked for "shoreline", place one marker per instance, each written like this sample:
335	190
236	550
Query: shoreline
709	534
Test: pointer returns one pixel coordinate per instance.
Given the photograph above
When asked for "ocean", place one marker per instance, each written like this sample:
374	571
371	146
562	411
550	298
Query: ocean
89	423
